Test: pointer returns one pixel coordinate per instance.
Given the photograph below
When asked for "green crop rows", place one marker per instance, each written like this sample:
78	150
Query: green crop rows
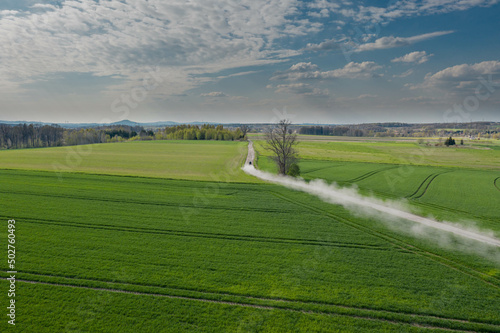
196	160
469	195
106	252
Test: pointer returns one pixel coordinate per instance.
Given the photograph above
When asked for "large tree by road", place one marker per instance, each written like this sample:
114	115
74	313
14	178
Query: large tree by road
244	129
281	140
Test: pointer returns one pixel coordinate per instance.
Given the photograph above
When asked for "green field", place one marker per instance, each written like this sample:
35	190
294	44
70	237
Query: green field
483	155
164	249
201	160
464	191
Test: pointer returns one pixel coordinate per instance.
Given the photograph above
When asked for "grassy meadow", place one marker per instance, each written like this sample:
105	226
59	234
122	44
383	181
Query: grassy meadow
477	154
199	160
454	184
160	244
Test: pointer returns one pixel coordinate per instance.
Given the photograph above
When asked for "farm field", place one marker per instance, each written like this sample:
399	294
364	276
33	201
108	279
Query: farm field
104	251
447	191
271	166
479	155
200	160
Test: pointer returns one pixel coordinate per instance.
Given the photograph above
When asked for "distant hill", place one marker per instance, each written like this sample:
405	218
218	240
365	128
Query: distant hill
21	122
374	126
125	122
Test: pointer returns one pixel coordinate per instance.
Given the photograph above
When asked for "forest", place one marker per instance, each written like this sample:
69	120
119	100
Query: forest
36	136
472	129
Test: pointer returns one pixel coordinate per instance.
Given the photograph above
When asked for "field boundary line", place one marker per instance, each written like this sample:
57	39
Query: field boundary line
182	233
444	321
167	204
263	298
49	174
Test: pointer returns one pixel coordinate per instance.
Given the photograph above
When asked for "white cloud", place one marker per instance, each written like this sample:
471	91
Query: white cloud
301	89
237	74
404	74
8	12
417	57
329	44
354	70
214	94
308	71
364	96
320	14
466	72
418	99
409	8
462	78
303	67
44	6
360	44
323	4
391	41
359	98
127	37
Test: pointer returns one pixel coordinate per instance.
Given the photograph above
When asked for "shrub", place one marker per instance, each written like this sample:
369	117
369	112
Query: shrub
294	170
449	142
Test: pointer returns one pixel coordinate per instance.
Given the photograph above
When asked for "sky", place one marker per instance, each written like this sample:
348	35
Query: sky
320	61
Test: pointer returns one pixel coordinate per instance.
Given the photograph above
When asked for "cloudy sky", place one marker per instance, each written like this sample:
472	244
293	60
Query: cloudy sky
320	61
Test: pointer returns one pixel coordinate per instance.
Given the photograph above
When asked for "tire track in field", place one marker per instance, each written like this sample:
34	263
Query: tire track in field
495	183
436	206
420	186
369	174
455	210
459	267
181	233
151	203
429	184
262	298
160	181
445	322
324	168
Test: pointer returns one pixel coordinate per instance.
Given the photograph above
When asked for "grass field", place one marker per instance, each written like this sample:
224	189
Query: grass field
463	191
201	160
483	156
100	253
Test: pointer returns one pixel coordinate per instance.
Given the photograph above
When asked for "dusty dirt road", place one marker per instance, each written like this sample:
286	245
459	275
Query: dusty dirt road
251	154
369	206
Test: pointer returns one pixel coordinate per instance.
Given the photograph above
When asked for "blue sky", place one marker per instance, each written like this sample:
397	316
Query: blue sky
250	61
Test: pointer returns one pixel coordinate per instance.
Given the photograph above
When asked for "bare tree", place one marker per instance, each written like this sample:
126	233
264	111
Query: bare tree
244	129
281	141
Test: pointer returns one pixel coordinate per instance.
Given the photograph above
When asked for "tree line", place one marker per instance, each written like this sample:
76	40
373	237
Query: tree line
331	130
203	132
483	129
36	136
30	136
